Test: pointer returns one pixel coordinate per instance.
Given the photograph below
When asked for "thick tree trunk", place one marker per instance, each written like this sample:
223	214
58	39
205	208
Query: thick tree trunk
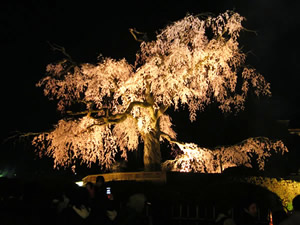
152	154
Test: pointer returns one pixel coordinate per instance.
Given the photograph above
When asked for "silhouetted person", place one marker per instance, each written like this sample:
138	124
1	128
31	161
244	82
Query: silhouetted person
102	208
90	187
78	210
225	216
133	212
100	198
294	218
278	216
100	182
248	212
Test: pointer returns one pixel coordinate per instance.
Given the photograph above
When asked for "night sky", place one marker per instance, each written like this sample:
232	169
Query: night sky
87	29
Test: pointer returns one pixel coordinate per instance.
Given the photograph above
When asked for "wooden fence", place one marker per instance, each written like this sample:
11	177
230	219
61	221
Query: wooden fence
195	214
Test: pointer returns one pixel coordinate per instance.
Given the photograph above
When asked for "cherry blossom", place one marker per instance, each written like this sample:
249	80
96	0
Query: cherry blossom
112	106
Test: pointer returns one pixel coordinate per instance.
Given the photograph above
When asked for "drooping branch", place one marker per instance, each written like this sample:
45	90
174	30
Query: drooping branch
170	139
197	159
242	153
192	159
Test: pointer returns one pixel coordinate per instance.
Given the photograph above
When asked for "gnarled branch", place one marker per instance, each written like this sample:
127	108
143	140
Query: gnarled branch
117	118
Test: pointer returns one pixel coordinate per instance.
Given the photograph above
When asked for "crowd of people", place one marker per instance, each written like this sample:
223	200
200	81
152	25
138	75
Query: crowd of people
35	203
98	206
248	214
95	203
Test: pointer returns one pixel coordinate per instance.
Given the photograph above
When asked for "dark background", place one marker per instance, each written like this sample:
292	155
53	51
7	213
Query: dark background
88	28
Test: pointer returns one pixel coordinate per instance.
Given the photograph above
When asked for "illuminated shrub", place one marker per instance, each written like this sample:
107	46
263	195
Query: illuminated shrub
285	189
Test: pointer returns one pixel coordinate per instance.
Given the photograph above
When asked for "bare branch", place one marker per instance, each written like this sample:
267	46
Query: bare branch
20	135
61	49
84	112
134	33
162	110
252	31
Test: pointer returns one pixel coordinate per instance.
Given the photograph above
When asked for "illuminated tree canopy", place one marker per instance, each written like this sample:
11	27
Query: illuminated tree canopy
112	106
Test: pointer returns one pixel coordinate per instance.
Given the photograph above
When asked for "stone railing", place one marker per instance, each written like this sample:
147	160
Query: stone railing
128	176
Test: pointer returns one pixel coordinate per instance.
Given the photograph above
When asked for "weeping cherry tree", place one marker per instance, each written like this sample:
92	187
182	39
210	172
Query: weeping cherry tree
112	106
